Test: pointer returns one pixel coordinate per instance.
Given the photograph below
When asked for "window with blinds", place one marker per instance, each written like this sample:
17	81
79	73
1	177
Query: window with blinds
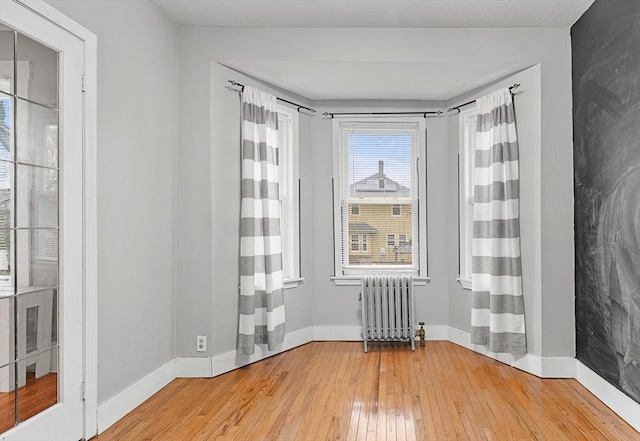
289	194
378	180
467	121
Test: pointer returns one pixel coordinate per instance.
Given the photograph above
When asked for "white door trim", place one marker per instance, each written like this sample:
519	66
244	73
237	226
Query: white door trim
89	206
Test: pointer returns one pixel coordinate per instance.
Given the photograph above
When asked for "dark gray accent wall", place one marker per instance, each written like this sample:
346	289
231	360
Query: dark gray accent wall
606	114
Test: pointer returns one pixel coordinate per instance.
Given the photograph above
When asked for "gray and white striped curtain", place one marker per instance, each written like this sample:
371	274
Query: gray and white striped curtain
261	298
497	315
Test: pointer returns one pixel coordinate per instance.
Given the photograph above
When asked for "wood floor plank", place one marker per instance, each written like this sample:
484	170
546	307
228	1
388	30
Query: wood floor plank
334	391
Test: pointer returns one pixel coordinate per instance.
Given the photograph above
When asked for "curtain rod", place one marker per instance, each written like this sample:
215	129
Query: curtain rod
299	106
424	114
511	89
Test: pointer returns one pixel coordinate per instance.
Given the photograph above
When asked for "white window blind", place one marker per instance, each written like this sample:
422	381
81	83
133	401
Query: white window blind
379	173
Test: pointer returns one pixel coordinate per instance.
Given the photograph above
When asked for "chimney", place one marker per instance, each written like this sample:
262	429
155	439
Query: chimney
381	167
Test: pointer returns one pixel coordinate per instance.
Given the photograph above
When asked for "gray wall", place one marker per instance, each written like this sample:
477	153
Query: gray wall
553	218
528	118
339	305
139	170
209	206
137	147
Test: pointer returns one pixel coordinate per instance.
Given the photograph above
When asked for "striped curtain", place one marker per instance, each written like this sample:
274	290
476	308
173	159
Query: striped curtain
497	314
261	298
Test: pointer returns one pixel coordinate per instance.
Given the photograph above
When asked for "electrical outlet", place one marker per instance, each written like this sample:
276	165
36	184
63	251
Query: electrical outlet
201	343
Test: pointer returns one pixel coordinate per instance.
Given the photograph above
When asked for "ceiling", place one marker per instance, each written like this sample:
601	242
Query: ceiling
328	80
338	80
376	13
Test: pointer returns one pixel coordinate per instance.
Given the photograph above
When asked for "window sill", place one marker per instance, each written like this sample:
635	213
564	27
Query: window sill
466	283
292	283
355	280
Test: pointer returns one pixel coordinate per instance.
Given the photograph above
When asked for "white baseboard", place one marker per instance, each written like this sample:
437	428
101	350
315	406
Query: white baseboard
130	398
206	367
354	333
337	333
229	361
543	367
617	401
558	367
436	332
194	367
527	362
562	367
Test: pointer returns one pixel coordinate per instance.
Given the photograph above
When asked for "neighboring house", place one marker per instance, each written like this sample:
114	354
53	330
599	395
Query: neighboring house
380	233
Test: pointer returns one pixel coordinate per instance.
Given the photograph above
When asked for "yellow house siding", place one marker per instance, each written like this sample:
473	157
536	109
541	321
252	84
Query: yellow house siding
380	217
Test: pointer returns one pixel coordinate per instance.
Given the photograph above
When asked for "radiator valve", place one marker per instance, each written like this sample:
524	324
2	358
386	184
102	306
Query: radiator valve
420	333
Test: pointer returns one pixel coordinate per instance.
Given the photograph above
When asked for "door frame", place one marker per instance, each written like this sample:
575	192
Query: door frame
89	209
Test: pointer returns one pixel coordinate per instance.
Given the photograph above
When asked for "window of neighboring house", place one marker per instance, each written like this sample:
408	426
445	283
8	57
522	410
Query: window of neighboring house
355	243
467	139
379	167
391	240
289	188
402	239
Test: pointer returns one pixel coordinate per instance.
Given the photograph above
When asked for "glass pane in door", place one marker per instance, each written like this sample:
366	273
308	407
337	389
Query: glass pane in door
7	399
40	390
42	87
29	267
7	56
37	134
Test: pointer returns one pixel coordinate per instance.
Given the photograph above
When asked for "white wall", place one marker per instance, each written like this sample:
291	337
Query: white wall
137	146
550	48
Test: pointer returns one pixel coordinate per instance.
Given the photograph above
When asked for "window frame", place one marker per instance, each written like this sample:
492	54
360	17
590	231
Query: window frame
351	275
391	240
290	197
466	145
355	240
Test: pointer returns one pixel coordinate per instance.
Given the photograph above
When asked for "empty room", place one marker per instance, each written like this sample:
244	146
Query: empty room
319	220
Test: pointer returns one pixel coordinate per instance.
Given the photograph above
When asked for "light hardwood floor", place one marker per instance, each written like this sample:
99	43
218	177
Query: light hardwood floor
334	391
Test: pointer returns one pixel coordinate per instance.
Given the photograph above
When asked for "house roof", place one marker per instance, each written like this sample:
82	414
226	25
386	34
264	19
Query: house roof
379	184
362	228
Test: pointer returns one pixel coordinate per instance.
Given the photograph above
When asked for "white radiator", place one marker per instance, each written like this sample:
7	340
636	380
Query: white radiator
387	309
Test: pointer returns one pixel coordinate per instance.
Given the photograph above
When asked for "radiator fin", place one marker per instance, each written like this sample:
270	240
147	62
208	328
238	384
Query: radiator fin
387	309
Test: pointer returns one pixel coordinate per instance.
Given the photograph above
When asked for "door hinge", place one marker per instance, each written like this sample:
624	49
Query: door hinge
84	83
83	390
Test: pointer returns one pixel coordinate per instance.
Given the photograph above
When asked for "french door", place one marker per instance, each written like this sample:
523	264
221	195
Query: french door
41	228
